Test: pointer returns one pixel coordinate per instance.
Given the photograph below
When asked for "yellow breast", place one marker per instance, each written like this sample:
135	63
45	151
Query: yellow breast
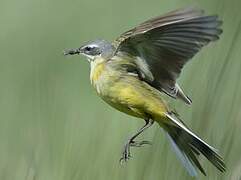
97	68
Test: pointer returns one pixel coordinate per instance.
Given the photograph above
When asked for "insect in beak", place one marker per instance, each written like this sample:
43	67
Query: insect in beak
72	51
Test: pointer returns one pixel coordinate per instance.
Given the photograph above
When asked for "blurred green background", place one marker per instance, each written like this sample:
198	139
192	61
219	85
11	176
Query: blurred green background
54	127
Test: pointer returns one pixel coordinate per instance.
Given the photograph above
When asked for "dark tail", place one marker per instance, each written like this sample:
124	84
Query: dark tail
188	147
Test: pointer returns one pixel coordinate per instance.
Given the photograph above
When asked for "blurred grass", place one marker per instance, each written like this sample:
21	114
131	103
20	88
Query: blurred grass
53	126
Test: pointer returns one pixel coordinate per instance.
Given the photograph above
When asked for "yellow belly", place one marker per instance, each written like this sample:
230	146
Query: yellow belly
134	97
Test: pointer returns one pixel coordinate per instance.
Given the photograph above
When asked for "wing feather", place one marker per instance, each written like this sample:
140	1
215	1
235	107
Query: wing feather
167	42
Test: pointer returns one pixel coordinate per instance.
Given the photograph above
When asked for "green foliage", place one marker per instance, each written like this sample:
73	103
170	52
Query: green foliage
54	127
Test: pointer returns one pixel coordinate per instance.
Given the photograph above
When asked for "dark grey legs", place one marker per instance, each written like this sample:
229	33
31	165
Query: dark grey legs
131	143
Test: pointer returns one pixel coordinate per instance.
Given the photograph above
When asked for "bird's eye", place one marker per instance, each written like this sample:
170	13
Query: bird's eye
91	50
88	48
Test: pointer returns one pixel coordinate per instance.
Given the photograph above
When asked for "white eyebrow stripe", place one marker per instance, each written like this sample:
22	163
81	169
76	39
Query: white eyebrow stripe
92	46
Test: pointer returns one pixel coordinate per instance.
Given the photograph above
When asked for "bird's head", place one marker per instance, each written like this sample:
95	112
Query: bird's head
93	49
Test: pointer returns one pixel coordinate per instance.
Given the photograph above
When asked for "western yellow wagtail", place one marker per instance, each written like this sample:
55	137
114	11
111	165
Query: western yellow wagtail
137	70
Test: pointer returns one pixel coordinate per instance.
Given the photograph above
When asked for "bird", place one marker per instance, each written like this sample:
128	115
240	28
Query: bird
137	71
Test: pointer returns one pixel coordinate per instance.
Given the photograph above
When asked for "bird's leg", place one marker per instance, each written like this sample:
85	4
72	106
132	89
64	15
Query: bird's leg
131	143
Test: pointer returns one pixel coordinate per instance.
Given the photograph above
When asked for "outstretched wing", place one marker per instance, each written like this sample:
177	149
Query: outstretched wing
165	43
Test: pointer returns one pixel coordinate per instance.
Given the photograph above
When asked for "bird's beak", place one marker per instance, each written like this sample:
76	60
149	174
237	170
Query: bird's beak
72	51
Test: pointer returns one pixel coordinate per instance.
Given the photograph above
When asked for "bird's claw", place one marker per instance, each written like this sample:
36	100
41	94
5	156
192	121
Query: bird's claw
126	155
140	143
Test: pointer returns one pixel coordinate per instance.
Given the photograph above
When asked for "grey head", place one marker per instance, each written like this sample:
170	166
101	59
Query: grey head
93	49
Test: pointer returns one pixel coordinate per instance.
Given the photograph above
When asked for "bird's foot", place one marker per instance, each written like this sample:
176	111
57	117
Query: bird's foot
140	143
126	154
